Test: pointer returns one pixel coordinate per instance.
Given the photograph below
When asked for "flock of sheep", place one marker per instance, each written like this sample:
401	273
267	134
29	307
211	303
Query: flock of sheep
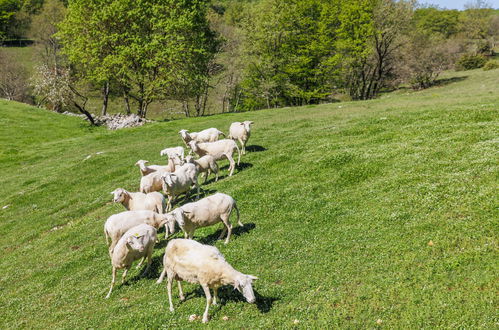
131	235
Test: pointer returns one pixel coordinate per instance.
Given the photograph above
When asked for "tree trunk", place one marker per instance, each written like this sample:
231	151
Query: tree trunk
127	102
85	112
185	105
105	94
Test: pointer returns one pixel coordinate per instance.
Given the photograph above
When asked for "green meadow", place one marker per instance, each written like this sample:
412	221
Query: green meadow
372	214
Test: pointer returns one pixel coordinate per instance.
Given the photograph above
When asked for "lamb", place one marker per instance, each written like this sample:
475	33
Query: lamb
206	212
207	135
148	169
180	181
188	260
175	153
117	224
241	132
219	150
138	242
135	201
205	164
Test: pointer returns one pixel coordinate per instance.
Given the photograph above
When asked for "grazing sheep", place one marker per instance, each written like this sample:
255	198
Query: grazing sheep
138	242
117	224
219	150
188	260
179	182
136	201
148	169
151	182
207	135
206	212
241	132
175	153
205	164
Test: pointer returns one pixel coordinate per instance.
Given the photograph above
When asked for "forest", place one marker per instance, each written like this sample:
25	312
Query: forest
183	58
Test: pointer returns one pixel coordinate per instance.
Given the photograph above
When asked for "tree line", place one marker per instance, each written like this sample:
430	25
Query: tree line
200	56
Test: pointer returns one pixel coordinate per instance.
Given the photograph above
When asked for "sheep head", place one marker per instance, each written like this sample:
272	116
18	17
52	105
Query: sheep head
136	242
119	195
243	283
178	213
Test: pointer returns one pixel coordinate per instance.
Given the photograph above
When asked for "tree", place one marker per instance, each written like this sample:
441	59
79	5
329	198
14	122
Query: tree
13	79
368	40
151	50
286	49
8	9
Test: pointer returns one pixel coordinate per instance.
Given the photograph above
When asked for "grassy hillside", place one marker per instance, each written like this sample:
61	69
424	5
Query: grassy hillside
363	214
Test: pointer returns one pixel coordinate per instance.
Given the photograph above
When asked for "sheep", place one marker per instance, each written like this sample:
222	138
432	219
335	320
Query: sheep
175	153
205	164
219	150
117	224
188	260
241	132
138	242
148	169
136	201
207	135
206	212
178	182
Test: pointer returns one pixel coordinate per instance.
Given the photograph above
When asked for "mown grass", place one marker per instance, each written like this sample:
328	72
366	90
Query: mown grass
355	212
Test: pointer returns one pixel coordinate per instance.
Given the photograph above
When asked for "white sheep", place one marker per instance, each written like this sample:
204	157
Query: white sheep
241	132
188	260
179	182
222	149
205	164
206	212
117	224
207	135
175	153
148	169
151	182
136	201
138	242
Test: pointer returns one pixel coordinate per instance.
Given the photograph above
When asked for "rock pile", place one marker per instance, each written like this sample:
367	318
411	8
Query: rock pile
116	121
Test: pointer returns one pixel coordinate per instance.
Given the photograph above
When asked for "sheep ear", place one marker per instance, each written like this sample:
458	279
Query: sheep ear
112	192
253	277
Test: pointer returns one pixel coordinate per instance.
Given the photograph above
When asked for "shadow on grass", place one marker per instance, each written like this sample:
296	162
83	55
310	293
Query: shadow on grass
153	273
227	293
236	231
447	81
255	148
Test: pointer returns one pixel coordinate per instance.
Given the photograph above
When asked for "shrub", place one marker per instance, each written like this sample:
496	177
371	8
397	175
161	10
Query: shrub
470	62
491	65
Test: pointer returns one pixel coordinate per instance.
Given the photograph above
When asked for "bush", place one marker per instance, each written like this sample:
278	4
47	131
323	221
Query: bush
470	62
491	65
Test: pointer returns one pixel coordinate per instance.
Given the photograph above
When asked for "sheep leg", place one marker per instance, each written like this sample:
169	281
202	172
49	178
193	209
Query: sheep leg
124	275
208	302
232	164
141	262
162	276
243	150
169	288
149	260
229	227
215	295
223	232
206	176
112	283
180	292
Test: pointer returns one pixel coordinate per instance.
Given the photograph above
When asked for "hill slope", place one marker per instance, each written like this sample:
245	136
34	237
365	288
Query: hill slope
354	212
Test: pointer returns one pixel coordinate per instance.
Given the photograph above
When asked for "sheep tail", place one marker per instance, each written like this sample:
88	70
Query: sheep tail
238	219
107	236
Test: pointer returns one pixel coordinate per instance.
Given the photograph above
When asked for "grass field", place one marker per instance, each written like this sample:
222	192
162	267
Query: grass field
376	214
